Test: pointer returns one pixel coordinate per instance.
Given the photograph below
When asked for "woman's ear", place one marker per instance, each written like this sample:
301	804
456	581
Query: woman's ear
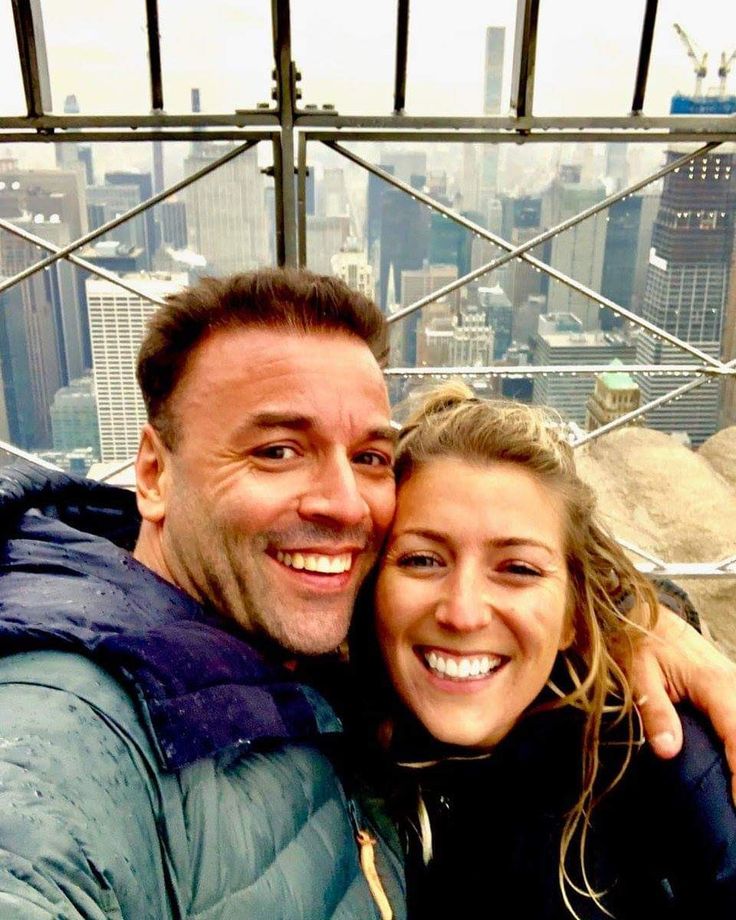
152	473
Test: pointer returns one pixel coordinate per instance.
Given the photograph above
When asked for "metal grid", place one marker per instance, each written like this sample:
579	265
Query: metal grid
290	128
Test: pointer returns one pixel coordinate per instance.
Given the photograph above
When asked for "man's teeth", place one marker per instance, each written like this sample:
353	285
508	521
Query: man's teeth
312	562
469	668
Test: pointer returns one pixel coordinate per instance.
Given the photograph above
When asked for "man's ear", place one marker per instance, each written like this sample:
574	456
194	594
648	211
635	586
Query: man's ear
152	472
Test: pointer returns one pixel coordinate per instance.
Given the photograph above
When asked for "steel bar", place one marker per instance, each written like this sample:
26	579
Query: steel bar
402	47
301	194
549	137
32	52
520	251
685	570
645	554
415	123
124	465
582	370
645	54
154	56
414	127
111	224
525	53
68	122
135	137
81	263
24	455
286	98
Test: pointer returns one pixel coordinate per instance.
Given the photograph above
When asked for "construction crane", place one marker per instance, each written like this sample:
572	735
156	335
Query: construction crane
700	62
723	71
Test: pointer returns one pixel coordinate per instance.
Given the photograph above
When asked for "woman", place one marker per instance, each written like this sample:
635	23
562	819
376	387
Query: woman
523	787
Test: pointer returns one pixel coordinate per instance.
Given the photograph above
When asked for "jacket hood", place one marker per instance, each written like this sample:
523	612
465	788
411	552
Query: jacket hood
202	689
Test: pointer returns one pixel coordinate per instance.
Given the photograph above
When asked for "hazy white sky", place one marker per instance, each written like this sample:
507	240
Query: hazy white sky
345	48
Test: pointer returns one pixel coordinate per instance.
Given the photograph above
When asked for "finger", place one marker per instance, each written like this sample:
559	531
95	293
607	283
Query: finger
661	724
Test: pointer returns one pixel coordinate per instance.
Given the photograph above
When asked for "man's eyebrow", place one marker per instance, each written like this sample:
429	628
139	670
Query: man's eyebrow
279	420
295	422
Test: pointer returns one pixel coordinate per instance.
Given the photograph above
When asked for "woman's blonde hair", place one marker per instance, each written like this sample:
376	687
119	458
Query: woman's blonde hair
452	423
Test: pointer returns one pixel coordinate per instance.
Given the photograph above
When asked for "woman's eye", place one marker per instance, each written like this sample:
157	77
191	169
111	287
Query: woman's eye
419	561
522	568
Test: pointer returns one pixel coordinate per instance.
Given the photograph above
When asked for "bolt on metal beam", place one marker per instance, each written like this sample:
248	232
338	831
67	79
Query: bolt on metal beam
521	251
133	212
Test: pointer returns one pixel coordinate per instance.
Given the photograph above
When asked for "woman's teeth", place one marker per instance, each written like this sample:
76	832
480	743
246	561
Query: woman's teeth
313	562
468	668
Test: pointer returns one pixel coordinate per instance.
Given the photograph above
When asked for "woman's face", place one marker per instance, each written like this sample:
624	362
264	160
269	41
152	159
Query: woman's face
471	599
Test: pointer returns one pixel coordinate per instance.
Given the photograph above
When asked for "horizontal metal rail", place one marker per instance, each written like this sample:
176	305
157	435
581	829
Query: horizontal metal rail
580	370
133	212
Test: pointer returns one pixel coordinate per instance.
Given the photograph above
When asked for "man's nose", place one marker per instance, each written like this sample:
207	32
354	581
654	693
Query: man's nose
334	494
466	604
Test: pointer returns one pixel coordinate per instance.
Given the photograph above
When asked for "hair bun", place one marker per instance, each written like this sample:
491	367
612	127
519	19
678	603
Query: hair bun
445	397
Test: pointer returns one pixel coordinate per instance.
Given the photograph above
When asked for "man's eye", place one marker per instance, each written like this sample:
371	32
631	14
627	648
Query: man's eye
419	561
276	452
372	458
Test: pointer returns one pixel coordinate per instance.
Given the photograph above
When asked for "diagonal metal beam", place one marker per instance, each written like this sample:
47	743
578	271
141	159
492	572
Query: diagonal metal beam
525	54
521	251
24	455
32	51
402	47
645	55
154	56
133	212
77	260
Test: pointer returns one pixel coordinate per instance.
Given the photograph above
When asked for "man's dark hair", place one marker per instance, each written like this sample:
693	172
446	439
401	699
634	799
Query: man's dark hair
274	298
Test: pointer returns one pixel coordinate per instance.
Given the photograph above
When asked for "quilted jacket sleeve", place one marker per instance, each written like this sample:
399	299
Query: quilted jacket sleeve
698	823
78	797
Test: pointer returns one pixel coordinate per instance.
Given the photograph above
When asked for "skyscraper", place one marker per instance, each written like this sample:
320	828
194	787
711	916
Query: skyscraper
117	320
226	221
492	88
578	251
687	285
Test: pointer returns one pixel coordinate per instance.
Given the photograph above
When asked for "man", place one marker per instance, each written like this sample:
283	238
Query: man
159	757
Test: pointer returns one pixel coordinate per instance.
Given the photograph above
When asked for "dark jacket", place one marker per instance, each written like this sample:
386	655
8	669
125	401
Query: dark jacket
153	764
662	842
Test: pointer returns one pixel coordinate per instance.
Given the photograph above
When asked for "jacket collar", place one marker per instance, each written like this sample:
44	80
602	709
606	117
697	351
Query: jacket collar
202	689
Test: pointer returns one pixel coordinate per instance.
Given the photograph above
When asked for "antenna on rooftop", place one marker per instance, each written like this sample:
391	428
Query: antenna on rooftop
700	62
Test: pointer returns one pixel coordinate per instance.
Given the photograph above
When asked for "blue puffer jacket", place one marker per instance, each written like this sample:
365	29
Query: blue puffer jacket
153	766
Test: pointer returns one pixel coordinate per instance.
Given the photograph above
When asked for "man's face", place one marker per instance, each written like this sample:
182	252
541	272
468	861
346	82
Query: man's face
280	487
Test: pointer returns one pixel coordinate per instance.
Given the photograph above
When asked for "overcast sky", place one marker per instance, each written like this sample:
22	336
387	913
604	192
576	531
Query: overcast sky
586	59
345	49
